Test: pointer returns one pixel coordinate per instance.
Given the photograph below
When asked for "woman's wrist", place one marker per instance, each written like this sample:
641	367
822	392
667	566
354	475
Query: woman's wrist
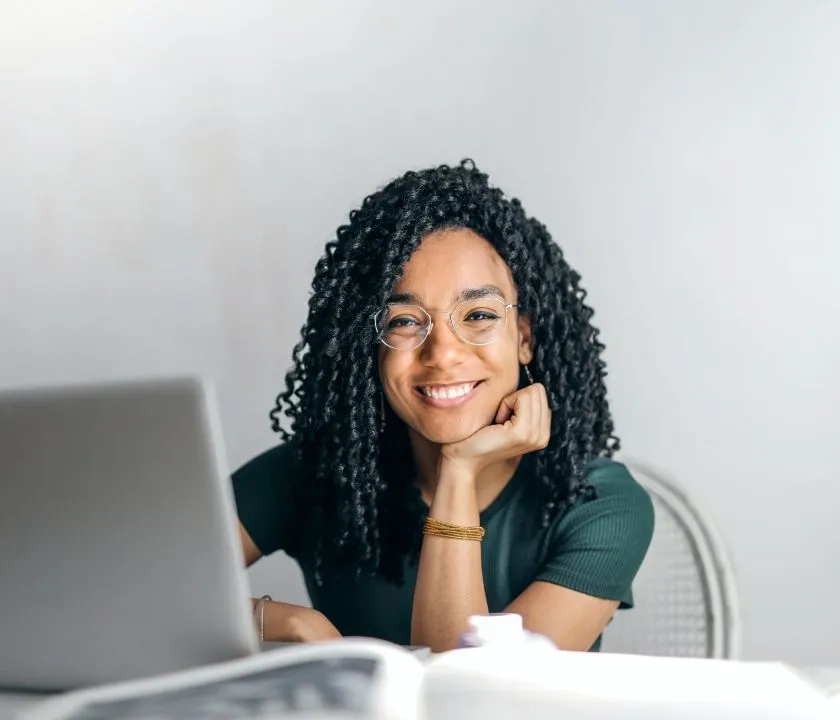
452	470
278	620
455	499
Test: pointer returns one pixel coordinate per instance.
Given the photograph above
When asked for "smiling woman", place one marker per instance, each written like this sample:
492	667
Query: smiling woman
450	444
471	358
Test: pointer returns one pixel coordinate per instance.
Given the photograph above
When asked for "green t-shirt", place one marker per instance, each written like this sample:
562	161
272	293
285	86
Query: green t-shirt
594	546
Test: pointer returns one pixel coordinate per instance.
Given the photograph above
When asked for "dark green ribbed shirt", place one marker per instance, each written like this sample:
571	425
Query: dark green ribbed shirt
595	546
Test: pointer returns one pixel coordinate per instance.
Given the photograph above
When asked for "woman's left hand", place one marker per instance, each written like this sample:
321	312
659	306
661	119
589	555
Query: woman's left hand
522	425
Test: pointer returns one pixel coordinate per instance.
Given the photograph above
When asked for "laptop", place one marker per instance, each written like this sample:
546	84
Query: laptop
119	549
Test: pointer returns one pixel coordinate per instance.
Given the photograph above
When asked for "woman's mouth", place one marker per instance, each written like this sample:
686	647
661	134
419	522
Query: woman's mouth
449	395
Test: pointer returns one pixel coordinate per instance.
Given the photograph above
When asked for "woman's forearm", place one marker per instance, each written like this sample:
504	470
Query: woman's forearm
293	623
450	584
275	618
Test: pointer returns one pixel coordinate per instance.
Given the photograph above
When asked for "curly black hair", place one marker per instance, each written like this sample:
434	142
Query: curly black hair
362	508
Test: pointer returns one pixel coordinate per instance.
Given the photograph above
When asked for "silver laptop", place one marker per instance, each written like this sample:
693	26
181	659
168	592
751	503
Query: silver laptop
119	552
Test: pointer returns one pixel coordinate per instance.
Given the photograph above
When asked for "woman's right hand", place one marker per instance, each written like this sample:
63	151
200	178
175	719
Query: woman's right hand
284	622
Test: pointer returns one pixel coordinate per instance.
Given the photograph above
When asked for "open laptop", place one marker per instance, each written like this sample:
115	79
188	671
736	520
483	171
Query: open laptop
119	551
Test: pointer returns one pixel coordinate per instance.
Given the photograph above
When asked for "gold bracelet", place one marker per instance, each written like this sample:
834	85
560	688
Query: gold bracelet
259	609
454	532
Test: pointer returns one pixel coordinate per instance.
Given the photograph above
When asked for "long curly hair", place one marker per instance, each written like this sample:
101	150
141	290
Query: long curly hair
359	507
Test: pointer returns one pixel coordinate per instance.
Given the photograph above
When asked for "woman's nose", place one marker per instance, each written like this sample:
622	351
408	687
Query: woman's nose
442	346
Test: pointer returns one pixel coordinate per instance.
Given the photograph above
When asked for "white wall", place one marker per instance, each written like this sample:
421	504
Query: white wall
169	173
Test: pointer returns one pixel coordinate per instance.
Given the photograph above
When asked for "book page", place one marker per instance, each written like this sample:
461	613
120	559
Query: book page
342	680
335	687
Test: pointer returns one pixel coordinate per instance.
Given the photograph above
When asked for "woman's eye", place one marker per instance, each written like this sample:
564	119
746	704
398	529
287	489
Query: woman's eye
479	315
401	322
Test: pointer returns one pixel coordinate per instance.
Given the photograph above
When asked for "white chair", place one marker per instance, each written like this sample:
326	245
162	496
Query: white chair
685	600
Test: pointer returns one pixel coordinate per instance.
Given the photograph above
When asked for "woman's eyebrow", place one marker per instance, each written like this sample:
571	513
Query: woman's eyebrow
468	294
482	292
404	299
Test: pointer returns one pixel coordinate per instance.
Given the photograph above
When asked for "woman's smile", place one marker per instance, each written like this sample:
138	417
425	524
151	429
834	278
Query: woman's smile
448	395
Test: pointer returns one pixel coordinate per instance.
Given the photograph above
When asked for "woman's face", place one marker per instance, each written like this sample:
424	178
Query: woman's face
447	389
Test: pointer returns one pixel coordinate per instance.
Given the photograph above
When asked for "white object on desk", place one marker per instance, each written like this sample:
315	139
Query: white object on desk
477	683
352	679
825	678
500	628
497	684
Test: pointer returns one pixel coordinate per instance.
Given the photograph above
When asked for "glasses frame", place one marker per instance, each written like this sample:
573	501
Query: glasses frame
380	335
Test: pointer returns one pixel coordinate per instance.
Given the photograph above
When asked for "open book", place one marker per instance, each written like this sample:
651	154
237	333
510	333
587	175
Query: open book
357	678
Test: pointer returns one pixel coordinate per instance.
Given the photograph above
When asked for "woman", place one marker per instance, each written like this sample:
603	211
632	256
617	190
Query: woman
447	370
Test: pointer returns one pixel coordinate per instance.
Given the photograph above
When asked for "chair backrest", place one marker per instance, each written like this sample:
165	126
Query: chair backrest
685	600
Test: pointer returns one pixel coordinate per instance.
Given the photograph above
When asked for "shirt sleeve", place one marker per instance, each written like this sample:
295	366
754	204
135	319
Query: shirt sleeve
598	545
262	489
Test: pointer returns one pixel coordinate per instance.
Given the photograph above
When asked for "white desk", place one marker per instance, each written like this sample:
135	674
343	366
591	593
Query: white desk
825	678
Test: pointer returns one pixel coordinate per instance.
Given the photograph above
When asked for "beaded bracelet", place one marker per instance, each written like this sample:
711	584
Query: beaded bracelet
454	532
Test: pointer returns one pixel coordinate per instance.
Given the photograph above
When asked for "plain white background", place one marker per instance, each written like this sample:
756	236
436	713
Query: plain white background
169	173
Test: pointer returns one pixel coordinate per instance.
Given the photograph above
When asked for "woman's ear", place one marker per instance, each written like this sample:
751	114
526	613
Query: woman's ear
526	345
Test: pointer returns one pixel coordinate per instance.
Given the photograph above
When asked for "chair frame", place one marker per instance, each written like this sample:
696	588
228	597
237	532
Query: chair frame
718	578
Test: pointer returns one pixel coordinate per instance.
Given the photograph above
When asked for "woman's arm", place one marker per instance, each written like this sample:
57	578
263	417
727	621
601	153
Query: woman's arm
571	619
607	537
593	556
249	548
264	501
284	622
450	585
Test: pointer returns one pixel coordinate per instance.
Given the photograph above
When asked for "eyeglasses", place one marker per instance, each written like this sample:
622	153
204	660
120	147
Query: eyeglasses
476	322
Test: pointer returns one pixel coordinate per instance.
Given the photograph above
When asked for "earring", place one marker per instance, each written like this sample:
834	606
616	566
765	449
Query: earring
528	374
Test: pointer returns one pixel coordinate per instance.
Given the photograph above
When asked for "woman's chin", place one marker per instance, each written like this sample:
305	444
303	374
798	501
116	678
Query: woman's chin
450	432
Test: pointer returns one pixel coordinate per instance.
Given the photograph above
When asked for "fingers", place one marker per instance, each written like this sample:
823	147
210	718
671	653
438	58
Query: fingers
540	429
529	416
505	411
522	425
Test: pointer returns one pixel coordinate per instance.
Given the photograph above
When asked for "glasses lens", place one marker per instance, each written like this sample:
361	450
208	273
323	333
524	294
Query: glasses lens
403	326
481	321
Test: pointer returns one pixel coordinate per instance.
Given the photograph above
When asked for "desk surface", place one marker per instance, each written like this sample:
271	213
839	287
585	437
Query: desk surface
13	703
825	678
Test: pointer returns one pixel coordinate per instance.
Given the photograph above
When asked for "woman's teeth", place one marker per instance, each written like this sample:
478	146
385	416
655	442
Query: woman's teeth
442	393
